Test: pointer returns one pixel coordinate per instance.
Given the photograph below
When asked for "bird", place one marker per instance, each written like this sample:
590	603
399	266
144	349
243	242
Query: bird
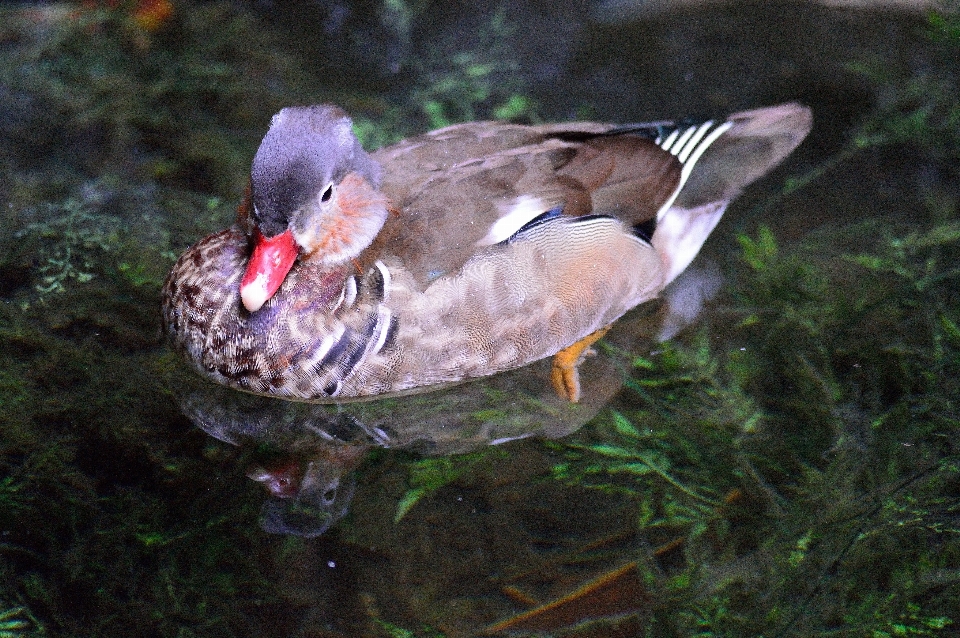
456	254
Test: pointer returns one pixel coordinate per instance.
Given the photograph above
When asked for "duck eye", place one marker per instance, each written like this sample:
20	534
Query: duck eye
327	194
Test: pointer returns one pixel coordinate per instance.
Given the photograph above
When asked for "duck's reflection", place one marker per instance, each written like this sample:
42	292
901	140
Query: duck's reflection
308	496
305	454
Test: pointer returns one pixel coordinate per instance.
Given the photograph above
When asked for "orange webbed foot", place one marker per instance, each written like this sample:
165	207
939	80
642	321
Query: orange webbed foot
564	374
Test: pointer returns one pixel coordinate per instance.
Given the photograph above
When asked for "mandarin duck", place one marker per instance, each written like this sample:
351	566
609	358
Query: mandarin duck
460	253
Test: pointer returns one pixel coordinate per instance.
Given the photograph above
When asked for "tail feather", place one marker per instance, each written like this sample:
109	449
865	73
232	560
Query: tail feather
717	167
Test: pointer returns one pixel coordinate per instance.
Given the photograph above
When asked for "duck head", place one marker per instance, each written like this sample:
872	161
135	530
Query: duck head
314	196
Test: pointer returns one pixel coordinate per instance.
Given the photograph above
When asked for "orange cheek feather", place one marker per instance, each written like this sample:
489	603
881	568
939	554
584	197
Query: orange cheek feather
360	212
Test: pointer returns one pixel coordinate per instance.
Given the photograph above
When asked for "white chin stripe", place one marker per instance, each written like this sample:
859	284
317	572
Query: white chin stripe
522	211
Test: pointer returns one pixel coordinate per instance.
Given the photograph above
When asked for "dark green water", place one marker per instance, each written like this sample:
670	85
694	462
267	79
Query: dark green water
785	466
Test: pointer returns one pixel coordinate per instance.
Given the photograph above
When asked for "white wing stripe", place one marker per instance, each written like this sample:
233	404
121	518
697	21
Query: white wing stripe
665	144
523	209
698	151
677	147
689	152
692	142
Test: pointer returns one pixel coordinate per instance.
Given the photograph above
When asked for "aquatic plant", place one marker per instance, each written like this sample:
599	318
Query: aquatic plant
101	229
476	82
97	93
115	114
828	428
393	631
72	240
18	622
917	106
428	475
800	448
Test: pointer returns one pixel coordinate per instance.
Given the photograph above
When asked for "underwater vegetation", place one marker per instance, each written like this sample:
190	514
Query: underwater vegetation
790	466
807	477
800	452
795	461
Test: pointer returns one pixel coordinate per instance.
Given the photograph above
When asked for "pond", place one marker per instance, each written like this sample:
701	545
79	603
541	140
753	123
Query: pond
780	460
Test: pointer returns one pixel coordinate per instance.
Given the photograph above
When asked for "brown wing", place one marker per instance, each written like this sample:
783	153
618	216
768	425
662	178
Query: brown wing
451	186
